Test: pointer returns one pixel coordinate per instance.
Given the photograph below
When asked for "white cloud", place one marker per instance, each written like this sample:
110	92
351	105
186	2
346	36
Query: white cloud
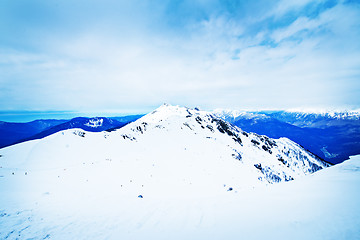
283	7
215	63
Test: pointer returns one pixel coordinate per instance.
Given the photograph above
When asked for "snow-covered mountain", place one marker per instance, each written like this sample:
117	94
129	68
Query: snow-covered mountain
12	133
191	145
169	170
316	119
95	124
234	115
330	114
260	158
300	118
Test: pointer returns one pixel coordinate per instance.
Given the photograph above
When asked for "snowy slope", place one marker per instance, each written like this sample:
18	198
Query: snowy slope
185	164
321	206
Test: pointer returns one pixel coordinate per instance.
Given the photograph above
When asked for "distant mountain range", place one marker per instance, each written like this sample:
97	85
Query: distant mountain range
333	136
12	133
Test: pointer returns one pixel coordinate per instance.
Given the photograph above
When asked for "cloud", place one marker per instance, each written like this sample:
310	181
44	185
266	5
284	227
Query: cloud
124	55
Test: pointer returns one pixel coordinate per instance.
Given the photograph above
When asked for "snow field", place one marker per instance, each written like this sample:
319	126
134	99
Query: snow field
80	185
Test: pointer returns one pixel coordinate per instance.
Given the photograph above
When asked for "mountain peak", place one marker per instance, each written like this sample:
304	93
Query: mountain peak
166	111
266	160
182	145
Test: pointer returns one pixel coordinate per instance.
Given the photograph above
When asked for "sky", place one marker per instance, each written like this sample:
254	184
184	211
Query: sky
113	56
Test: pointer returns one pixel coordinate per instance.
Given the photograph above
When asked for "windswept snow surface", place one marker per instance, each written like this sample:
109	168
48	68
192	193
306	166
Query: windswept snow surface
176	173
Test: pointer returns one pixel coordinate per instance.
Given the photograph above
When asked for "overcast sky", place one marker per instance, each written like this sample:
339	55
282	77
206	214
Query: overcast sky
121	56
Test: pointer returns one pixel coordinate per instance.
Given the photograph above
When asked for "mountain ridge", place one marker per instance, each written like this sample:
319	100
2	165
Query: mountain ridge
164	168
333	139
184	135
13	133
